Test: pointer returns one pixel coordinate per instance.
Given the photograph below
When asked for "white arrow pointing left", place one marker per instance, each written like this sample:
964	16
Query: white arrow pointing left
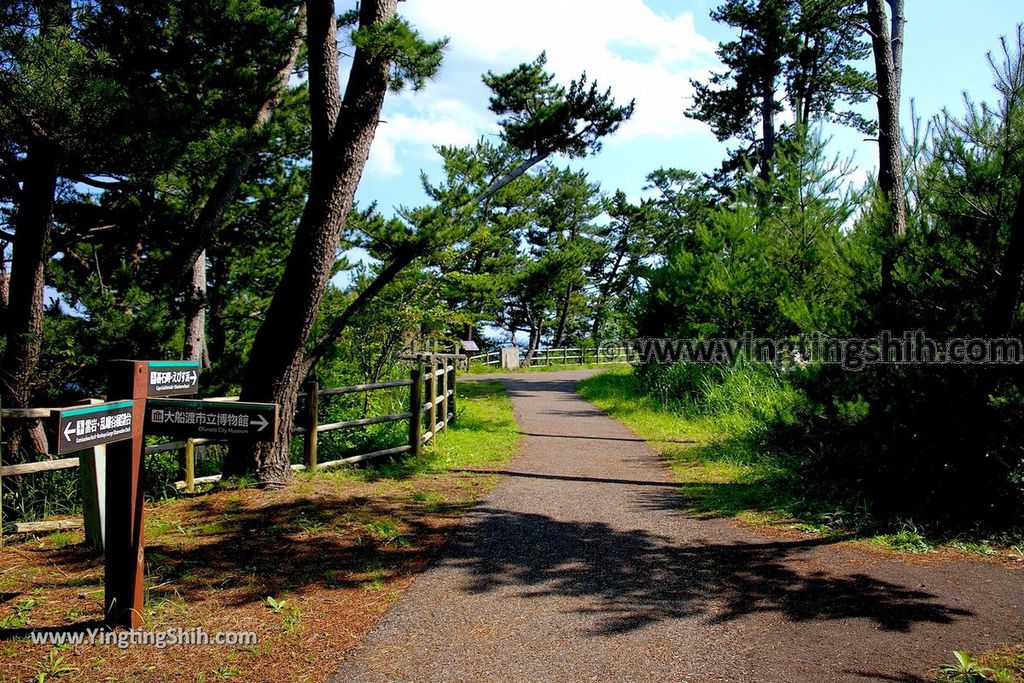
69	430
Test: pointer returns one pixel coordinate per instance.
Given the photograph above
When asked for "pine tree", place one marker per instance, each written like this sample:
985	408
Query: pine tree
789	52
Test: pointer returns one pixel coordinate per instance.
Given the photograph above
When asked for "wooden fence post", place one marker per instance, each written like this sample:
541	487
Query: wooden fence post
455	390
432	394
2	442
190	466
444	394
416	408
312	421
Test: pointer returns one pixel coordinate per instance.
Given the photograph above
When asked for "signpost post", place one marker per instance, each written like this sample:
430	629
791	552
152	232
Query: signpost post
123	514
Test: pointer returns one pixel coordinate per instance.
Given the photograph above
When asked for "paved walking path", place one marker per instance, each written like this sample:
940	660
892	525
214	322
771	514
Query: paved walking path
582	566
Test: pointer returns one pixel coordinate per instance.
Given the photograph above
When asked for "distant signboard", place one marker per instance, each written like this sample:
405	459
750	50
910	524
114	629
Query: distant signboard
75	429
211	419
469	345
173	377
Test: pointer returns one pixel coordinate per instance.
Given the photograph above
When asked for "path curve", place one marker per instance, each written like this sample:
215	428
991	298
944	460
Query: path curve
581	565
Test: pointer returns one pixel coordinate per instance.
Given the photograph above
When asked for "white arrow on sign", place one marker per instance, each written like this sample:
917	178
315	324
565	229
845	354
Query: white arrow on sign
262	422
69	430
195	376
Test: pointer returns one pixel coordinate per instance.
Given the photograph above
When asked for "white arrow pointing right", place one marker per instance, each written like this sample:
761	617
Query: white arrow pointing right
262	422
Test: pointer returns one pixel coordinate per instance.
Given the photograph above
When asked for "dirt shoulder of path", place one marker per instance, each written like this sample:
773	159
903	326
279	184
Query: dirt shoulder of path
333	550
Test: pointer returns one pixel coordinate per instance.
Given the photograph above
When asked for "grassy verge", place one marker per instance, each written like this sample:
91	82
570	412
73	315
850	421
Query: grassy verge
724	470
309	569
720	476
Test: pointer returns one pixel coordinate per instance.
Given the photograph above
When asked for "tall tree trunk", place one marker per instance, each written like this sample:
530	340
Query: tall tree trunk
887	45
5	284
24	318
1006	302
563	318
238	161
604	292
595	325
767	126
217	341
533	345
195	348
5	291
340	145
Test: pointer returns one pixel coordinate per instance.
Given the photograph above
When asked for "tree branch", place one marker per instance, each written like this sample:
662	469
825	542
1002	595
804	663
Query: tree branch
8	96
237	163
100	184
383	279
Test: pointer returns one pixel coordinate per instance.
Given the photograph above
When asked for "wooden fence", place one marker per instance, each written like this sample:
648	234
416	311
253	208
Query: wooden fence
431	382
561	356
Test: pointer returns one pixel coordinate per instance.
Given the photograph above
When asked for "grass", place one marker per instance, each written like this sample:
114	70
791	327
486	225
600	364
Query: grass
1001	665
310	568
724	470
719	475
484	433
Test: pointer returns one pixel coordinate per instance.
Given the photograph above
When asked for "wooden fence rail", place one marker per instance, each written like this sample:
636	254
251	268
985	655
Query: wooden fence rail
568	355
429	388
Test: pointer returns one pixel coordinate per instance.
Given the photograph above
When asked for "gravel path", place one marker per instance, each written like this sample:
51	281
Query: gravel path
582	566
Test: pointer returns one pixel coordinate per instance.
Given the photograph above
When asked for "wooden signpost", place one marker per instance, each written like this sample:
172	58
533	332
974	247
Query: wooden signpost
173	377
123	562
211	419
136	390
75	429
469	347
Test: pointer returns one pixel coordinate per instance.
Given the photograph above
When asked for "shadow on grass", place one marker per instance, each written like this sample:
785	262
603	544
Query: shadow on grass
628	579
722	475
236	547
229	557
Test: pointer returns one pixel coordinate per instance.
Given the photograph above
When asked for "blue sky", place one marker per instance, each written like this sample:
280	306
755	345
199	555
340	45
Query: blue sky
647	49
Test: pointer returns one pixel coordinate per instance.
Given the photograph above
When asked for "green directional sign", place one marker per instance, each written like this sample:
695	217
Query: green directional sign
75	429
211	419
172	377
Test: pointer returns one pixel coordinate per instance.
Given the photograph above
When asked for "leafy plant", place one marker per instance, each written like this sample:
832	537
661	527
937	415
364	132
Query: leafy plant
910	539
965	669
53	667
22	610
276	605
387	530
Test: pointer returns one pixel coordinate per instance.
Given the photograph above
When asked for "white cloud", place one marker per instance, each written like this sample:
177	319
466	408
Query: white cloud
623	44
417	128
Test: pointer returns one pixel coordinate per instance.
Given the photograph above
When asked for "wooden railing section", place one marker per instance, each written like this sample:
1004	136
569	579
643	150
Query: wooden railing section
583	355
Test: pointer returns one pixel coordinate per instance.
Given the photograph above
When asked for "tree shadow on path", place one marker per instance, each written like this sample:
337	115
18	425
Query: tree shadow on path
629	579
